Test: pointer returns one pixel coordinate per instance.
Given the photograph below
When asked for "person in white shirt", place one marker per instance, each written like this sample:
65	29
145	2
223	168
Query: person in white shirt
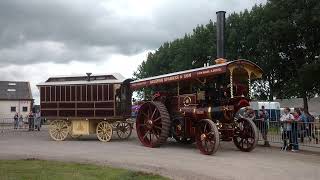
286	120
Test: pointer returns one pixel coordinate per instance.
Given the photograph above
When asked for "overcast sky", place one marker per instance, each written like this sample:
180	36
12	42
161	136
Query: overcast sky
39	39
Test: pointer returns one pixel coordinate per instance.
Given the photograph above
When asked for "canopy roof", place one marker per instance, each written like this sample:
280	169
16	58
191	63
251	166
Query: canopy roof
254	70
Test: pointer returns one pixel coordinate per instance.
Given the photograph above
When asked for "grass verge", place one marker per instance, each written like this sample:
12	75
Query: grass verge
52	170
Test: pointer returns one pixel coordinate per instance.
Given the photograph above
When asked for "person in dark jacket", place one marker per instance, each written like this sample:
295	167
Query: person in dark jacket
15	121
20	122
264	125
31	121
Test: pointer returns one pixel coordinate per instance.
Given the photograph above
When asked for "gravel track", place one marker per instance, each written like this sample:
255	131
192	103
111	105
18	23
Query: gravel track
171	160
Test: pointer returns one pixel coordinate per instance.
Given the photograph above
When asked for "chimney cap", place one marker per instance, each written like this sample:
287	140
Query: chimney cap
220	12
220	61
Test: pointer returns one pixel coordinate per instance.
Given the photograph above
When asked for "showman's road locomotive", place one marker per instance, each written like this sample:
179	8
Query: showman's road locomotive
200	105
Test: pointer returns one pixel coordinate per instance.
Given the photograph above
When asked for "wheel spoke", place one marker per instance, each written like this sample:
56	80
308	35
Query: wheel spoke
205	126
59	136
64	134
54	133
156	135
155	109
145	135
157	119
150	134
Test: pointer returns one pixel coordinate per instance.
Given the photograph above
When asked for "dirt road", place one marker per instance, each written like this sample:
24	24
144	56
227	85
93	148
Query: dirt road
172	160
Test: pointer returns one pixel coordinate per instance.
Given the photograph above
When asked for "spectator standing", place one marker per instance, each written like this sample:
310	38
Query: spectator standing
15	121
294	129
310	127
286	120
31	121
304	124
37	121
20	121
264	125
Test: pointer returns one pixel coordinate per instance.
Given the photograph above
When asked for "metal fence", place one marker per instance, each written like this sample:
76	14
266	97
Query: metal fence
9	124
289	133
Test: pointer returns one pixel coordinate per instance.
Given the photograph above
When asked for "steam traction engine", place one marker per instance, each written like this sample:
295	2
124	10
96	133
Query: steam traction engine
200	105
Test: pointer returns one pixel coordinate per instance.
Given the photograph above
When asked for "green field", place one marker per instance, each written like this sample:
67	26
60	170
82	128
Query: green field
52	170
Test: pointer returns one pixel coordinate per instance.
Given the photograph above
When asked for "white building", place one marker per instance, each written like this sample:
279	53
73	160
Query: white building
15	97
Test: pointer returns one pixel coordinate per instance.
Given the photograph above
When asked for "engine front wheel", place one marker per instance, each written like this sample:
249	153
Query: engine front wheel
246	135
207	137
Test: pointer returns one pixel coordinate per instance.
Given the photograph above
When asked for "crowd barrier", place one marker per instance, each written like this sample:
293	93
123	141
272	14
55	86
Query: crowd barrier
292	133
8	124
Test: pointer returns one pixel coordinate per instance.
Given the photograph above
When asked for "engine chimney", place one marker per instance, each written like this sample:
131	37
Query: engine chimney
220	34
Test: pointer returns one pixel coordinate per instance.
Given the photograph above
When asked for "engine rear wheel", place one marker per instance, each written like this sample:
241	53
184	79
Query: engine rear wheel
153	124
207	137
246	135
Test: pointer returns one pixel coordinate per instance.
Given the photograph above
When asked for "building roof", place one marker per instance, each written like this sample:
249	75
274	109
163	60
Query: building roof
83	79
14	90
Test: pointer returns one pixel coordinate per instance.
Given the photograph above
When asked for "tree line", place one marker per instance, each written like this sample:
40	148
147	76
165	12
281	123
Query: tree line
281	36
